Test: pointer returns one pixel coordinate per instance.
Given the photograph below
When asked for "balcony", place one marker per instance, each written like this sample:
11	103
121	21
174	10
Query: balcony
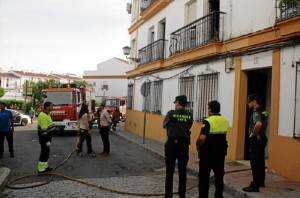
287	8
152	52
207	29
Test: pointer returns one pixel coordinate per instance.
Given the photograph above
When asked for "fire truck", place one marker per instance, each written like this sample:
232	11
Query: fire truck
112	102
67	99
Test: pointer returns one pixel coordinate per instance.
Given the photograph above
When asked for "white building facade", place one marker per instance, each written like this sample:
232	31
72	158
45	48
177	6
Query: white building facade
109	80
218	50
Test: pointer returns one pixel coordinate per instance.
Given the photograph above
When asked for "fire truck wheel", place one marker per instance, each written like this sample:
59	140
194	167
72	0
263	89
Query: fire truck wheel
24	122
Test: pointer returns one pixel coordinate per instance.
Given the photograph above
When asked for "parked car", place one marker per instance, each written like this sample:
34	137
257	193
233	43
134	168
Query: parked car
19	118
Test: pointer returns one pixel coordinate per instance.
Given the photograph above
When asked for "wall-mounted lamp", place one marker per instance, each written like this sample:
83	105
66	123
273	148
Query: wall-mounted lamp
229	64
126	52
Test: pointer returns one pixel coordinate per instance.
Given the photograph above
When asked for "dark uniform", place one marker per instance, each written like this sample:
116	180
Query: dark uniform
178	124
212	154
257	147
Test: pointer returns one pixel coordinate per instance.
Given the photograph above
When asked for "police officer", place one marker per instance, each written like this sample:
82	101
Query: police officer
45	132
258	142
212	149
178	123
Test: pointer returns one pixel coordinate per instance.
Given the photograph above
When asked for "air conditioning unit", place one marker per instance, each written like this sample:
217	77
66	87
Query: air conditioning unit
128	8
104	87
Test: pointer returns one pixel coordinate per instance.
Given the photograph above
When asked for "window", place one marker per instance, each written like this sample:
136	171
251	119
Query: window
148	97
190	11
186	87
130	96
297	104
61	98
207	90
156	96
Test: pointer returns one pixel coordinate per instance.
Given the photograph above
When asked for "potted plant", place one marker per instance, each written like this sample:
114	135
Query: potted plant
288	7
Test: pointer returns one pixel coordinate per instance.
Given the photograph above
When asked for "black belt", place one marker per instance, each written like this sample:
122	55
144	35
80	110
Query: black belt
178	139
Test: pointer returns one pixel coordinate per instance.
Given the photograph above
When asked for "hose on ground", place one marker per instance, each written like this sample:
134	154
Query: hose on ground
51	174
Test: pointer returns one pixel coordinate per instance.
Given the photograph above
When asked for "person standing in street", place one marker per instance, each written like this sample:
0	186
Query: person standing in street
212	149
115	118
45	133
84	131
31	114
104	128
6	129
258	142
177	123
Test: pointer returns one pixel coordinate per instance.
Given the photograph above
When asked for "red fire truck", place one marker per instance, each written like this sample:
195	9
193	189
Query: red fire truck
112	102
66	99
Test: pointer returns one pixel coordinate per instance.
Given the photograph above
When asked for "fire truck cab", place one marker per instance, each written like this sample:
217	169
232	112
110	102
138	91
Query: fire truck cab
112	102
67	99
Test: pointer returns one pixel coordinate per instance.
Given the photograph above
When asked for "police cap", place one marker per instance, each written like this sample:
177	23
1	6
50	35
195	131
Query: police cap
182	99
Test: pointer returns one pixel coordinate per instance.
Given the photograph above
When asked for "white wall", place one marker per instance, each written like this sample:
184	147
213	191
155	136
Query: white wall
170	87
244	16
107	69
257	61
287	90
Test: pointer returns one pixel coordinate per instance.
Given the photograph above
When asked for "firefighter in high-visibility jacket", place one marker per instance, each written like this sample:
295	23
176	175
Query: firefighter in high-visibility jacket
45	133
212	149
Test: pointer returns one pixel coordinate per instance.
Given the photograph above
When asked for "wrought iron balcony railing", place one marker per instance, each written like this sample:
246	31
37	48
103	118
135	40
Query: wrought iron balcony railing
202	31
152	52
287	8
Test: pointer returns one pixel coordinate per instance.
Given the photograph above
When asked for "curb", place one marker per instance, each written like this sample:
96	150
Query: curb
4	174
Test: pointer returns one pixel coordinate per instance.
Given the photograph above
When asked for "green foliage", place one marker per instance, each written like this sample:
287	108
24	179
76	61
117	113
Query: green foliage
14	104
2	92
37	88
80	83
283	4
97	103
28	106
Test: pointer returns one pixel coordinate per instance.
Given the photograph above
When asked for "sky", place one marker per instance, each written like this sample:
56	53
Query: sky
61	36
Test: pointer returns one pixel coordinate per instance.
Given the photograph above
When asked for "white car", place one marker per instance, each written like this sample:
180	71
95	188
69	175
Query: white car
19	118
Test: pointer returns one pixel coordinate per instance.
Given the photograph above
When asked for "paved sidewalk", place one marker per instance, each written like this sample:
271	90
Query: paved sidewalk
238	175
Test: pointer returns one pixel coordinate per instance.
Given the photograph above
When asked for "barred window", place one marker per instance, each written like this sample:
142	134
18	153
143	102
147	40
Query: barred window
148	97
186	87
156	96
130	96
207	90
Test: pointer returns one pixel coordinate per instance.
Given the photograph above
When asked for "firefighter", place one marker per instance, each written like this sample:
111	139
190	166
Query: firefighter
45	133
258	142
212	149
178	123
116	118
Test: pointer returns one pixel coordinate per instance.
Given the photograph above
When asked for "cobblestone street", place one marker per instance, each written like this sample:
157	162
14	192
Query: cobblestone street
143	185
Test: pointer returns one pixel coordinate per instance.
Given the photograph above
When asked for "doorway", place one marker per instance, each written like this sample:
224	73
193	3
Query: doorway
259	82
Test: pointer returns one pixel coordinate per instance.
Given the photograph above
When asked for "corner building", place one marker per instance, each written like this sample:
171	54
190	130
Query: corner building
219	50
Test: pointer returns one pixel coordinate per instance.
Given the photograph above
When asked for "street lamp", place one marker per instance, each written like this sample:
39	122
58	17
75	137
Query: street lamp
126	52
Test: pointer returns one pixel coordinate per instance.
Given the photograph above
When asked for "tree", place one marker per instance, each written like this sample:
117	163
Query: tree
39	86
2	92
80	83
